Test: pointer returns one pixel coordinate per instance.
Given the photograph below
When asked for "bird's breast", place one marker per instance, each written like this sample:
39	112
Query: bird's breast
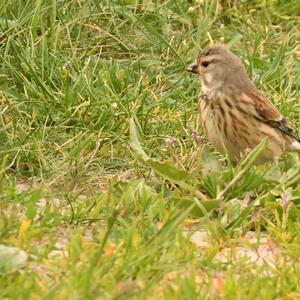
230	129
211	120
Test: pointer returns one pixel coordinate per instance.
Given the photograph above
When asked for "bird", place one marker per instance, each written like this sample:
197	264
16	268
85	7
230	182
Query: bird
234	113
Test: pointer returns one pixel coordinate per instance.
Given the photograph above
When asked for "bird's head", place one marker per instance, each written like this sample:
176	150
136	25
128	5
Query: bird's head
217	66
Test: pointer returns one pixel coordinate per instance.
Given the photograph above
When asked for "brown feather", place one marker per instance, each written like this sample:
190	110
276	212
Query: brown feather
269	114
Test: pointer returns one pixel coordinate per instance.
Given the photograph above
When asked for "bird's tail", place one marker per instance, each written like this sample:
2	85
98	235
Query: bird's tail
296	145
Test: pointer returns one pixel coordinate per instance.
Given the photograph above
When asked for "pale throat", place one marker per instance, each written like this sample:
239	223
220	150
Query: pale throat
208	81
208	87
207	92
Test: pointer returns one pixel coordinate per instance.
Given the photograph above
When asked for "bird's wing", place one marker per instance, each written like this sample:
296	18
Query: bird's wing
268	113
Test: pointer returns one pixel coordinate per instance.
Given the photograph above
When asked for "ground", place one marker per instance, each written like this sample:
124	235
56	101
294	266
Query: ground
108	188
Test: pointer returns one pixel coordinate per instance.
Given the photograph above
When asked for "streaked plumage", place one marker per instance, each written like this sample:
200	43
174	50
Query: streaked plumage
235	115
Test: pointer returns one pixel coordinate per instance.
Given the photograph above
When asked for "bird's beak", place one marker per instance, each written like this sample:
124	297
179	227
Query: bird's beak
193	67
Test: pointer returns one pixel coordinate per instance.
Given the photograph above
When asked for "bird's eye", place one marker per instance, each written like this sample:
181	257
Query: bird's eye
205	64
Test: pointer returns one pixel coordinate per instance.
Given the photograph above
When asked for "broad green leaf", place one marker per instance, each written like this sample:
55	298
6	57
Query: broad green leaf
163	169
168	171
135	143
197	210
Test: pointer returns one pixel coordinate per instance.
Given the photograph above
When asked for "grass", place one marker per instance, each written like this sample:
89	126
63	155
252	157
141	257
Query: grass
104	213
